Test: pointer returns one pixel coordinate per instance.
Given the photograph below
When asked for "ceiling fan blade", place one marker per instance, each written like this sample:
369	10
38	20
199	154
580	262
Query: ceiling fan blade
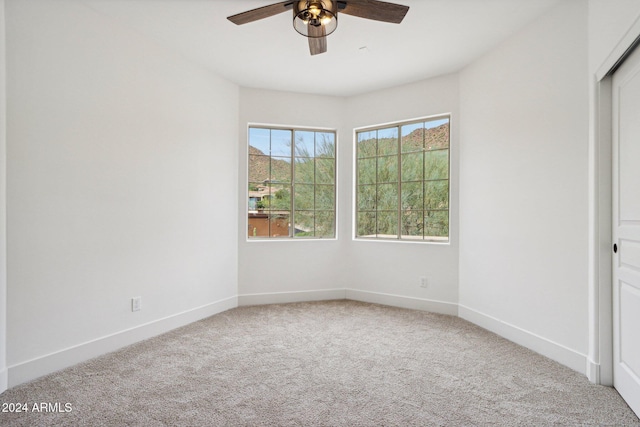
317	40
261	12
374	9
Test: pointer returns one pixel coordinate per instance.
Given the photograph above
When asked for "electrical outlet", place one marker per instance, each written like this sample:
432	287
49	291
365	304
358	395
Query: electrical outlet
423	282
136	303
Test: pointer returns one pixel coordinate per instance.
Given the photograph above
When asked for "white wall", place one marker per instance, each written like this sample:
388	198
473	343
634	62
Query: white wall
121	182
395	268
276	271
524	187
609	21
303	269
3	208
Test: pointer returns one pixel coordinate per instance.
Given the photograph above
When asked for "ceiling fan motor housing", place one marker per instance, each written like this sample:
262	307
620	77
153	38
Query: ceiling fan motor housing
318	14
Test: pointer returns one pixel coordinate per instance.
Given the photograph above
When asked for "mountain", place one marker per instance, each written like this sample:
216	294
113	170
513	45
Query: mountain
260	164
259	167
435	138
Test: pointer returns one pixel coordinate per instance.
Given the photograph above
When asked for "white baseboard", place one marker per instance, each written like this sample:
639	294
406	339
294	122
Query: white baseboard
434	306
32	369
544	346
287	297
593	372
352	294
4	380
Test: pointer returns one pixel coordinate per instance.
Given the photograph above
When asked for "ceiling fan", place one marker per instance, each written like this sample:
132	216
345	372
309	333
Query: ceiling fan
316	19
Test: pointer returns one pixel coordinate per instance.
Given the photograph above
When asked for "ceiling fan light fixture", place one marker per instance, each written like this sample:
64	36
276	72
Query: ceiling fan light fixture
320	14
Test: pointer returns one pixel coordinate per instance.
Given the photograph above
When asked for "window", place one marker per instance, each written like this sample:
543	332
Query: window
402	181
292	183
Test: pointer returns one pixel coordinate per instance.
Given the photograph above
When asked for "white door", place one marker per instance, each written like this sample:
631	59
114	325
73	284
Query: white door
626	231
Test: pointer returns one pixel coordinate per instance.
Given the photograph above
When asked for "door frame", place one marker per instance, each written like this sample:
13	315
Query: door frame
599	368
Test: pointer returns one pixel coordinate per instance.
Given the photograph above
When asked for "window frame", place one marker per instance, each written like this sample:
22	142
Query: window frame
292	236
398	154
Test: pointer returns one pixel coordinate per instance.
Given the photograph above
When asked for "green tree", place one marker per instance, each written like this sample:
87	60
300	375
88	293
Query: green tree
314	184
423	160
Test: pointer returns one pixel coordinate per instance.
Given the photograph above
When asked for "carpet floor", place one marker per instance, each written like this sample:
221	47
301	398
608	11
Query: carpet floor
334	363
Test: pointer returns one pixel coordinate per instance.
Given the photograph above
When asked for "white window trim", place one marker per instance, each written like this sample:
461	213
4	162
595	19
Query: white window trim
245	192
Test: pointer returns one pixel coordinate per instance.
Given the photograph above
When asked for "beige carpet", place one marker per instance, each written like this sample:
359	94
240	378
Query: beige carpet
336	363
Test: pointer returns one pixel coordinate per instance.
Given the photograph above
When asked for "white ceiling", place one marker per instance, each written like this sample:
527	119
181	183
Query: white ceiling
436	37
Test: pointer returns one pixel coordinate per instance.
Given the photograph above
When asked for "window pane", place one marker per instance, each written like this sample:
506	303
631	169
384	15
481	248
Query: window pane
258	225
367	171
259	168
387	169
325	171
412	137
412	167
279	224
436	224
265	202
259	141
412	224
305	144
436	194
366	197
367	144
304	224
387	224
436	164
366	224
412	196
325	197
304	198
387	196
275	197
280	143
325	144
325	224
280	169
255	186
305	170
437	134
281	198
387	141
